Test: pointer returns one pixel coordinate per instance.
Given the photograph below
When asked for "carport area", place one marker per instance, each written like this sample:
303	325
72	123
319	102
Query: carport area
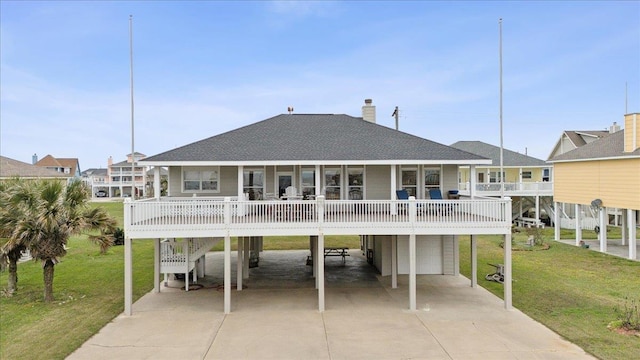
276	316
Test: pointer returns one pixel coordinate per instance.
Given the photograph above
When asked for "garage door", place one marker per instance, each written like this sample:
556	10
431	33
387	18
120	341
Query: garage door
428	254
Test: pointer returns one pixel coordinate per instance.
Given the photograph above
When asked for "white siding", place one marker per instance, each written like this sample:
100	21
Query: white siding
428	254
378	182
382	254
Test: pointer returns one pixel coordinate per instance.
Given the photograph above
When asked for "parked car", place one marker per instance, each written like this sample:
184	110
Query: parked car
101	193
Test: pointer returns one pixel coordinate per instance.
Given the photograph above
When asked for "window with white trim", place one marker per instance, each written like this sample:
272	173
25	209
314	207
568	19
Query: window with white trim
253	183
199	180
332	181
308	181
356	183
431	179
410	181
493	176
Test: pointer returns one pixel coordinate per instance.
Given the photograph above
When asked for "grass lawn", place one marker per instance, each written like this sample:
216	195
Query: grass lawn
571	290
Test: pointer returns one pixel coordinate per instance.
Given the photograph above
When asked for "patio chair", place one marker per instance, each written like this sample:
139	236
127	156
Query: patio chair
436	194
404	195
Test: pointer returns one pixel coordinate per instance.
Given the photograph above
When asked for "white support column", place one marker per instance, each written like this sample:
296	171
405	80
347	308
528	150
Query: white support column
313	246
537	208
157	188
320	272
556	221
240	182
412	271
246	252
624	228
631	221
472	181
394	261
578	218
507	272
392	195
520	185
240	263
474	261
156	265
602	235
227	274
128	277
318	181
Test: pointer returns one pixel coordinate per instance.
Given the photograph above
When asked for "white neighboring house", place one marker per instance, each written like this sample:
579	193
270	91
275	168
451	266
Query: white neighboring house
117	181
345	172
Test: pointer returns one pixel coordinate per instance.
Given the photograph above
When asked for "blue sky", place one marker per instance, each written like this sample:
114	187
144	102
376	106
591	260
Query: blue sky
205	67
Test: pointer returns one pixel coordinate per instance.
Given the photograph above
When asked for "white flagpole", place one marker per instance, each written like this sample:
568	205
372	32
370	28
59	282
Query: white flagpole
501	140
133	154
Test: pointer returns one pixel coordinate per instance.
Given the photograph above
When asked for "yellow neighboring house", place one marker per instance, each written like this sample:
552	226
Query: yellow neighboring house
603	174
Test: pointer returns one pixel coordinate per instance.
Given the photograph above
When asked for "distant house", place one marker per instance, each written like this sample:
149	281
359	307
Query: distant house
603	175
527	180
10	168
68	166
573	139
316	175
117	179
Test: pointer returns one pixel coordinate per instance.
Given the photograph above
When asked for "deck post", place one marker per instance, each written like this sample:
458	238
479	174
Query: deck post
227	273
507	272
507	258
474	261
128	276
624	228
240	263
412	254
472	181
156	265
320	270
556	221
631	221
246	252
157	191
394	261
412	271
578	218
394	206
602	235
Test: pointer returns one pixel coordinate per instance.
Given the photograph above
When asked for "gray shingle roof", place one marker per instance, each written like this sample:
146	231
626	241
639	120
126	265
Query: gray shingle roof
315	137
13	168
510	158
605	147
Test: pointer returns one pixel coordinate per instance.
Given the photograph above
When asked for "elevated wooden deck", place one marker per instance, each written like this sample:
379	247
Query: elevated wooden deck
202	217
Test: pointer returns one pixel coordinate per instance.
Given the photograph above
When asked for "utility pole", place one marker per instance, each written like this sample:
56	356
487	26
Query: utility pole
396	114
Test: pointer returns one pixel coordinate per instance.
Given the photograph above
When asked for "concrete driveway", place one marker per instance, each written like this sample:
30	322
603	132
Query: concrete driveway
276	317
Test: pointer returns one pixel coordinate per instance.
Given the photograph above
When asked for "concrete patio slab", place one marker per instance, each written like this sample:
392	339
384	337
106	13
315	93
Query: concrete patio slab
275	317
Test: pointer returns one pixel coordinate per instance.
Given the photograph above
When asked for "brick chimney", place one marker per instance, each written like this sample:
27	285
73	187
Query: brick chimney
614	128
631	132
109	164
369	111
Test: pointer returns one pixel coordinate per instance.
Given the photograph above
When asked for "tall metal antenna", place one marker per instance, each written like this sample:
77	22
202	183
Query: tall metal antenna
395	114
501	141
133	154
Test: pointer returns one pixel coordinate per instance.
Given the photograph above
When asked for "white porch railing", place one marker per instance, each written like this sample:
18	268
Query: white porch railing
510	188
212	217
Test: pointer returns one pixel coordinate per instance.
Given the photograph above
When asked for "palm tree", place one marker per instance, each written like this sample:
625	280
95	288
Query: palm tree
10	251
49	214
